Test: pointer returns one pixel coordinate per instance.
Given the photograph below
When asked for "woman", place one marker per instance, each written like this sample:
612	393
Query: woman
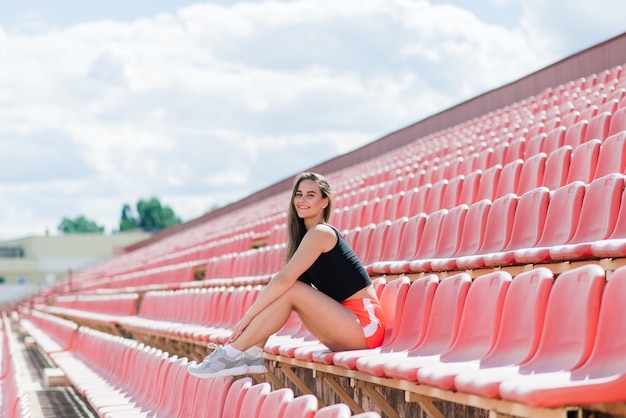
323	281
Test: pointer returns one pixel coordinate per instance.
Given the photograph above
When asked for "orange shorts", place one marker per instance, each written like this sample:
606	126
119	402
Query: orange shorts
370	315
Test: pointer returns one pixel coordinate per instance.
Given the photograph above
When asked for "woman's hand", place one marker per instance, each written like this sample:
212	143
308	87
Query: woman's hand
241	325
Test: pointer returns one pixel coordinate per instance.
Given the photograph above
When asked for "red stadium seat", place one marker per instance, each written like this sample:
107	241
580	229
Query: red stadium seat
488	183
497	231
557	167
519	332
560	223
254	399
598	127
440	331
601	379
528	224
567	336
593	224
475	337
612	158
304	406
584	162
509	178
576	133
618	122
531	174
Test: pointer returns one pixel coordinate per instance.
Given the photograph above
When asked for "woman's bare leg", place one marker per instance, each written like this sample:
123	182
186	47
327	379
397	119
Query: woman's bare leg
334	325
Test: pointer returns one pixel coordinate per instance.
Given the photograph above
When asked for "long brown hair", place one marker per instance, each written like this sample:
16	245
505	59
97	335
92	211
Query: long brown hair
295	225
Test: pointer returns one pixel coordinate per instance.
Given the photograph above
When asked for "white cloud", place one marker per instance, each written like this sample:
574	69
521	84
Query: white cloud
206	105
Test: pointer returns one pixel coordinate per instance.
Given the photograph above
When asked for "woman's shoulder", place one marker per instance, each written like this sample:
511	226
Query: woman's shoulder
326	234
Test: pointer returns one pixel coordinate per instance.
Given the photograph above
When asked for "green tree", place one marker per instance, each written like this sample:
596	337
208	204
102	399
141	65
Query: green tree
151	216
128	221
79	225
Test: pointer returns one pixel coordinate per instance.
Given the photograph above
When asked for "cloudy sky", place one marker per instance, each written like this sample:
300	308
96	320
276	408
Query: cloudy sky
203	103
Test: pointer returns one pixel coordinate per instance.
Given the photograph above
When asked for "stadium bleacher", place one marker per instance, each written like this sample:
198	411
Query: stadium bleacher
497	245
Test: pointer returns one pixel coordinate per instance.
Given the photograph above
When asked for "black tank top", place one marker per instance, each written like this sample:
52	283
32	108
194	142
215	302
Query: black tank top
338	273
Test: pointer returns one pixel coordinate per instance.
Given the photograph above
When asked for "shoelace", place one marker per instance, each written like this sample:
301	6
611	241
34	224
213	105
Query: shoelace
215	348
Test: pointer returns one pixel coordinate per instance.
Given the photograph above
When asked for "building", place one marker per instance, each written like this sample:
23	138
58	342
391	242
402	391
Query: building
33	263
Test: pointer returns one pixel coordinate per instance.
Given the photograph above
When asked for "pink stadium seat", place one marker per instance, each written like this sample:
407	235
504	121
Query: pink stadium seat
612	158
567	336
474	337
509	178
408	326
557	167
431	230
610	106
445	244
560	223
435	196
304	406
235	396
598	127
516	150
584	162
588	112
275	403
469	191
410	240
377	243
518	336
497	231
452	193
528	224
618	122
338	410
615	244
488	183
499	153
415	200
210	397
440	331
471	238
532	172
363	240
484	160
593	224
253	400
576	133
534	145
555	139
570	118
601	379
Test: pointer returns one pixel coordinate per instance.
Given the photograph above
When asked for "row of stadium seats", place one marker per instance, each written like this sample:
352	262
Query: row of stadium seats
14	401
121	377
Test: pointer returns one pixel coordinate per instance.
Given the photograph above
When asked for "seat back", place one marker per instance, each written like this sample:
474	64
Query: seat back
563	214
532	172
584	162
480	319
445	315
529	219
450	236
557	167
474	228
392	300
339	410
254	399
275	403
414	318
303	406
571	321
612	158
234	397
499	224
522	318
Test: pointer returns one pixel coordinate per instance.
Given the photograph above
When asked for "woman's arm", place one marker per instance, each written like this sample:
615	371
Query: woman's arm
316	241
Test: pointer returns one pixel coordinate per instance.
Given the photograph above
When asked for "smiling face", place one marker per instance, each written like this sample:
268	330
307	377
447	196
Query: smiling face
309	202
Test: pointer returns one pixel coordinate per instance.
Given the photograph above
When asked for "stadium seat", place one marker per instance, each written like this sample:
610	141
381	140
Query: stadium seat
441	328
469	191
576	133
615	245
452	192
560	223
497	232
431	230
475	337
472	236
253	400
445	244
515	150
509	178
534	145
339	410
518	333
408	326
528	224
618	122
557	167
593	224
275	404
531	174
601	379
584	162
555	139
235	397
598	127
567	336
303	406
435	196
488	185
612	157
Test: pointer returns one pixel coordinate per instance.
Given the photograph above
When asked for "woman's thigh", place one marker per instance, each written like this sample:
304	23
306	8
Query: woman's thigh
334	325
